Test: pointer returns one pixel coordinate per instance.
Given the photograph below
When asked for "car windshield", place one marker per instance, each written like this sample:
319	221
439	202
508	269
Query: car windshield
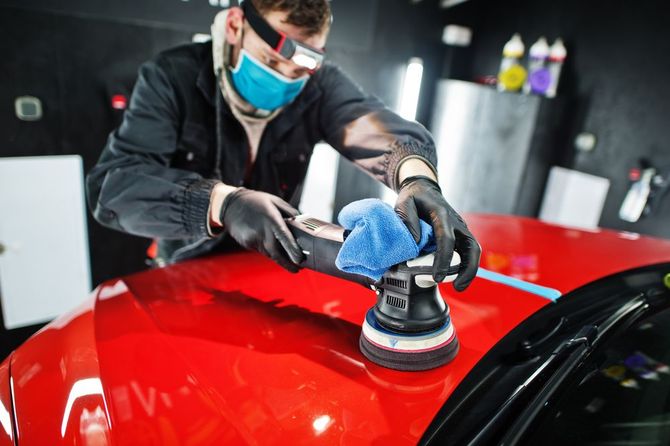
610	388
620	397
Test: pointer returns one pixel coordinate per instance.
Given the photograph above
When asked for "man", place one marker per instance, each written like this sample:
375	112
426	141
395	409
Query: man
217	138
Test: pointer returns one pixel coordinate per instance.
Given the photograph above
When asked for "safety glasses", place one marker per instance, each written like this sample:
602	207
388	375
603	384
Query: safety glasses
301	54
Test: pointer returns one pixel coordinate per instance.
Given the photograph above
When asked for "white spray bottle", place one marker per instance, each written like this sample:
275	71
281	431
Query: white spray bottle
557	55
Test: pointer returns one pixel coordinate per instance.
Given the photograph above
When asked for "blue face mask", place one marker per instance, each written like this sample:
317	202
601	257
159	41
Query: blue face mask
263	87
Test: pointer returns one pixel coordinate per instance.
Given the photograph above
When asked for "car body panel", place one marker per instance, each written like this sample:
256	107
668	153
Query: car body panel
559	257
58	394
231	349
6	411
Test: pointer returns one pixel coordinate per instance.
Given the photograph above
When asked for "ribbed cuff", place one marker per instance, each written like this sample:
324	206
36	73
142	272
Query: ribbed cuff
402	151
212	231
195	214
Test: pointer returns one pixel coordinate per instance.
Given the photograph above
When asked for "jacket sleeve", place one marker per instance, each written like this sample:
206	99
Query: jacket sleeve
366	132
133	188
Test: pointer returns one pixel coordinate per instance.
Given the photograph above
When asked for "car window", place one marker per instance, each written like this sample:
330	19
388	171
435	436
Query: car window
622	397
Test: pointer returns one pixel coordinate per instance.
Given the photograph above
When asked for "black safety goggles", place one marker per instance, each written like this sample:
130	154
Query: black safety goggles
301	54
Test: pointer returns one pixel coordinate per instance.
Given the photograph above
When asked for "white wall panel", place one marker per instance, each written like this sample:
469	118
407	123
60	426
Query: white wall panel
44	264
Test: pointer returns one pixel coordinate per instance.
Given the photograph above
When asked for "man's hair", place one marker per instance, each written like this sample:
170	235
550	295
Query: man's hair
310	15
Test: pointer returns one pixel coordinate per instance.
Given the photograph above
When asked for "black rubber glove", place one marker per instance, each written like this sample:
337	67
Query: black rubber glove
256	221
420	197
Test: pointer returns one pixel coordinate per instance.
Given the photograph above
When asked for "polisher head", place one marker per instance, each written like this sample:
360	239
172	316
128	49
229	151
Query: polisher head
407	351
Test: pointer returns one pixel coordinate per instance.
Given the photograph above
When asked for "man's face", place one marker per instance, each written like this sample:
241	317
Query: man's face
237	27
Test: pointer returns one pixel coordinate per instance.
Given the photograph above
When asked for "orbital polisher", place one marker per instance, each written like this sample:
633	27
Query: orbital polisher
409	327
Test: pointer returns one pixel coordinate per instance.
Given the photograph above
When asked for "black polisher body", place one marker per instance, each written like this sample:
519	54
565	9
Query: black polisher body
409	327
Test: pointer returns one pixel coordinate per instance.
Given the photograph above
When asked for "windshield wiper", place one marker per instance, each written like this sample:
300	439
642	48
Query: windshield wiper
586	340
529	398
563	358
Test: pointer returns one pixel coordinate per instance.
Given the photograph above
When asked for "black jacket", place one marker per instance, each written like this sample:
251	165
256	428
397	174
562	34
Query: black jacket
155	175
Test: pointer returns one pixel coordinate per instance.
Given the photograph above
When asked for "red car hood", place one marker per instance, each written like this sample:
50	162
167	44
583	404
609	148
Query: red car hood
234	350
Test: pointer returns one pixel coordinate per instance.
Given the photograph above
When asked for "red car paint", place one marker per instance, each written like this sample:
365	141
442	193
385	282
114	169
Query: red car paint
232	349
7	431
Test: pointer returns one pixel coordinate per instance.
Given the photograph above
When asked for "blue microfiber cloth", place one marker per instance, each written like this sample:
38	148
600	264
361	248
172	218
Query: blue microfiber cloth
378	240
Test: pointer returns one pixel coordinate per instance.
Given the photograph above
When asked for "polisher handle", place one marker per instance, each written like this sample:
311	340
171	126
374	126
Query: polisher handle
320	243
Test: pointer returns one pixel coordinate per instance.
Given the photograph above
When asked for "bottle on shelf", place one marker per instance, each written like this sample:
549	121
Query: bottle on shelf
512	75
539	78
557	55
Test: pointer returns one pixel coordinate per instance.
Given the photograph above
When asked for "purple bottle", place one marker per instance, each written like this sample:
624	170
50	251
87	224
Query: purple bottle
539	78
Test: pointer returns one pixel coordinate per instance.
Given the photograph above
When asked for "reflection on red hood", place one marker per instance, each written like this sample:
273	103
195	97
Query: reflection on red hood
234	350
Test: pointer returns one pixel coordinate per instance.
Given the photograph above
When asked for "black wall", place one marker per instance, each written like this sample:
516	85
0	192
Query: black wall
176	14
74	65
614	82
395	32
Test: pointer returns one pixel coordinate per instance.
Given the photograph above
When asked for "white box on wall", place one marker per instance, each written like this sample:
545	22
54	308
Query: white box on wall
44	263
574	198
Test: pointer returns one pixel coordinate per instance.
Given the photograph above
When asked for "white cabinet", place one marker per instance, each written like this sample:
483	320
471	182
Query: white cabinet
493	148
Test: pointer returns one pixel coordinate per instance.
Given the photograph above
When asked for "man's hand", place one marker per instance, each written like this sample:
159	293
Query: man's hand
256	221
420	197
